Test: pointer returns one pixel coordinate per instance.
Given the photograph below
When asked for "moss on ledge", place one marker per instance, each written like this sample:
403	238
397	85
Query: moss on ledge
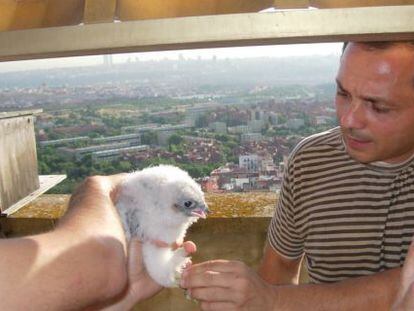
222	205
229	211
47	206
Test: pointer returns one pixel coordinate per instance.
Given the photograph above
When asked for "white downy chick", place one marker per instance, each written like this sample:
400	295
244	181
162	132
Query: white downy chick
157	205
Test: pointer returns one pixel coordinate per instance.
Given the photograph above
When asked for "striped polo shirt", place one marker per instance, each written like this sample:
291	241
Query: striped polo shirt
349	219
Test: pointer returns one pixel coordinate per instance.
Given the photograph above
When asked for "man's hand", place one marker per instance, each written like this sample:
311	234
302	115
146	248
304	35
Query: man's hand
227	285
140	284
405	296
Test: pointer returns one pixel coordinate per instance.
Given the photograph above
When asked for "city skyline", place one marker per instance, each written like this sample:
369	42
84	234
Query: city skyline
219	53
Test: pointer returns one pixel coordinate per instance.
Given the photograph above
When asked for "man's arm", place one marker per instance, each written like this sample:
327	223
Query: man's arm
375	292
79	263
221	284
276	269
405	296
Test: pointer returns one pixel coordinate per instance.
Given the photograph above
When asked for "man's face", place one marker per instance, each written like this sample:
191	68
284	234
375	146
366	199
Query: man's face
375	103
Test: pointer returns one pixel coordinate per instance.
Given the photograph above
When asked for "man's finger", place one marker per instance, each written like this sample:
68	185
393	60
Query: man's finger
218	265
214	294
217	306
206	279
189	247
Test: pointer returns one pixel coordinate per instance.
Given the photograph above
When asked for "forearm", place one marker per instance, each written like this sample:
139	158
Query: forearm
91	209
80	263
93	226
92	216
376	292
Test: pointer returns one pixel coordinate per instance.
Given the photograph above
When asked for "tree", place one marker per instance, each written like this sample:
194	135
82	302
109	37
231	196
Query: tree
201	121
175	139
222	137
149	138
125	166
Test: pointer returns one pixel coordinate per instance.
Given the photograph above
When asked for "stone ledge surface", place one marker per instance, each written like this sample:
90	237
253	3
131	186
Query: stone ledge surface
222	205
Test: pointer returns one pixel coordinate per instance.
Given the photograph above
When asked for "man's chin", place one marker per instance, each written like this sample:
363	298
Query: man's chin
361	157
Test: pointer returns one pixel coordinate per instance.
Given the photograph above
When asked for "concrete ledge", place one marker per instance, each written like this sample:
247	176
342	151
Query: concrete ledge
42	213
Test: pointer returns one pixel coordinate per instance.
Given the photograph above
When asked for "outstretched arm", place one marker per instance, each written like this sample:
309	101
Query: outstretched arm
79	263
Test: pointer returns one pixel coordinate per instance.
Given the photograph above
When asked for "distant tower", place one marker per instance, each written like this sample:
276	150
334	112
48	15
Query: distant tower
107	60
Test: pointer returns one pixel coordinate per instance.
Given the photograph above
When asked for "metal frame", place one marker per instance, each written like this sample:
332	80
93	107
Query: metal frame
280	27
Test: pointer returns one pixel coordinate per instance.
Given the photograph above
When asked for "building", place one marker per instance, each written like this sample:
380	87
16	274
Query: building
114	154
257	114
255	126
295	124
193	113
163	136
218	127
131	139
238	184
239	129
251	137
250	162
209	183
323	120
272	117
79	153
63	141
139	128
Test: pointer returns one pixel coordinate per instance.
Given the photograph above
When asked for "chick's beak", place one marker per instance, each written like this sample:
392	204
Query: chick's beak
200	212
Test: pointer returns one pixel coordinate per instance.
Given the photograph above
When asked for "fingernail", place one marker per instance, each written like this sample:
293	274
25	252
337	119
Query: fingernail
187	265
188	294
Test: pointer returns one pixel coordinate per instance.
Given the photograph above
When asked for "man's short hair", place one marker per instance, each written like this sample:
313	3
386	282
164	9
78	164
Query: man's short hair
379	45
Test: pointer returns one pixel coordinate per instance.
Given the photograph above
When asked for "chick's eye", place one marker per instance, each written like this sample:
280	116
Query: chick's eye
188	203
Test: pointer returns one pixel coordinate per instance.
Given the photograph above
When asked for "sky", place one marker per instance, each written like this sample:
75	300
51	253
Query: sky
220	53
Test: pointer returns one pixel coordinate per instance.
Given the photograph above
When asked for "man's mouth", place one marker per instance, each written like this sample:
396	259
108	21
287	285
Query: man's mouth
357	142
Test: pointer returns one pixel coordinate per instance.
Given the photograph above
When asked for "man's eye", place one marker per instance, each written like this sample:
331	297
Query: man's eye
341	94
380	109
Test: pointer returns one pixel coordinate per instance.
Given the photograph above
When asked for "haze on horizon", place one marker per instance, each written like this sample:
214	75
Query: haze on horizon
219	53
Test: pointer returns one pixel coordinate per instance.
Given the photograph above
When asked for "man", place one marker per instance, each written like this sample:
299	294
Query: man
80	265
347	202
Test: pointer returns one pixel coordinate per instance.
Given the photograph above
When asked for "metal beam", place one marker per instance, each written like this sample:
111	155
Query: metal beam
99	11
282	27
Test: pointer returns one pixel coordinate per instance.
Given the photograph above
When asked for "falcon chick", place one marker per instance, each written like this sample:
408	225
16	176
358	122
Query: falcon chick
157	205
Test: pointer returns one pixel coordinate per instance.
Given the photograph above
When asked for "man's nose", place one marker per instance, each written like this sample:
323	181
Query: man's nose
353	115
